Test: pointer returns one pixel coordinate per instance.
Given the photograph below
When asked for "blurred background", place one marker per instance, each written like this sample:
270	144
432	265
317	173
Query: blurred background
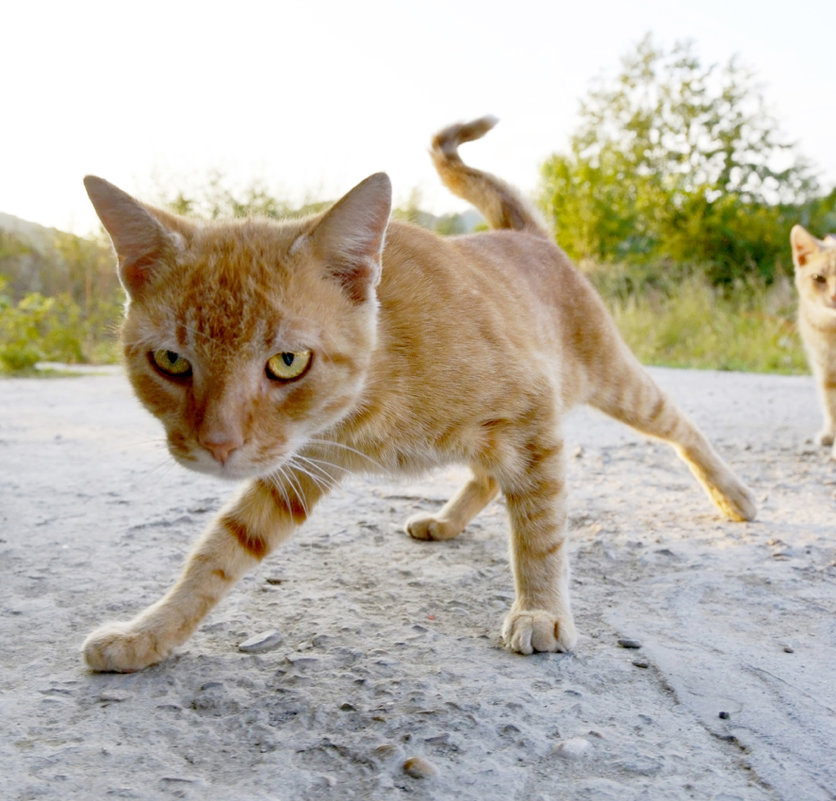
671	148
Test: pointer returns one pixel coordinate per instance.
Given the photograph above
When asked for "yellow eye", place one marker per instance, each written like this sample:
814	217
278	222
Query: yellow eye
171	363
287	366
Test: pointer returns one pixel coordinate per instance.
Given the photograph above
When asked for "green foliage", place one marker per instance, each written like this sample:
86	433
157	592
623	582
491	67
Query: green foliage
59	303
686	321
677	164
215	199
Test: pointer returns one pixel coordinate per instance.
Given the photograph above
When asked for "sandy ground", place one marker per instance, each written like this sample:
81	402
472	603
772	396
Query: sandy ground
387	649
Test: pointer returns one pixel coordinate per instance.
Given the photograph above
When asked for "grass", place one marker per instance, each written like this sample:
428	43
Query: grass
690	323
669	318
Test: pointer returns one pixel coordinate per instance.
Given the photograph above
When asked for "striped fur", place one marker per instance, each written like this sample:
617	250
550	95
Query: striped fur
419	351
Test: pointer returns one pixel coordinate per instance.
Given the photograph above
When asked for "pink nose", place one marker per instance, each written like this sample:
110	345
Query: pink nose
221	446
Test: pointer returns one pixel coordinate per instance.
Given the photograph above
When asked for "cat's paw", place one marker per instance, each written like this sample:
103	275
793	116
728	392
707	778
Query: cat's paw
426	527
533	630
825	437
122	648
736	502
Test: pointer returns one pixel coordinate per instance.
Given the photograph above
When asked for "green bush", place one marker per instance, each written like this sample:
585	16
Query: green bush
690	322
40	328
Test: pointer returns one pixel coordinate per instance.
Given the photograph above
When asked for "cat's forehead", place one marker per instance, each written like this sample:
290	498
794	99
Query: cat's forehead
825	258
232	290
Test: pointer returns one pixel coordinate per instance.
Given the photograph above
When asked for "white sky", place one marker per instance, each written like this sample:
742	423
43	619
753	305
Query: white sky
314	95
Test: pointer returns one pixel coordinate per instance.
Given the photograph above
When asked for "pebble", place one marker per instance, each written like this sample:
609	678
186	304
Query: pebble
419	768
641	663
259	643
573	748
724	716
626	642
113	697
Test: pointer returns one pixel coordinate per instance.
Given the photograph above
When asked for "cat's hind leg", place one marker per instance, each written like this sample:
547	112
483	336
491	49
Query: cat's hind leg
633	397
452	518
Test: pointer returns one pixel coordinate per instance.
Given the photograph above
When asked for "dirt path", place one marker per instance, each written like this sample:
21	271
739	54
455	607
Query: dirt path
387	648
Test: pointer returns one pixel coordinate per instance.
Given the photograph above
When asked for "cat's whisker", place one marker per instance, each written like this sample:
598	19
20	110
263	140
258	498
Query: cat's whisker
292	483
320	465
321	478
327	443
277	480
162	468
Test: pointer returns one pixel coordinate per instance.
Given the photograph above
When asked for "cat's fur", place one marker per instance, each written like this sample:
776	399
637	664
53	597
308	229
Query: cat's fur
815	278
415	351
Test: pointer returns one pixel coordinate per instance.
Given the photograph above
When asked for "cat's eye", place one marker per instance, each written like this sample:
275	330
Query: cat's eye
288	366
819	279
171	363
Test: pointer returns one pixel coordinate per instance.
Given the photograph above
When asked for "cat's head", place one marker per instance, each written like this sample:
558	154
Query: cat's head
247	338
815	268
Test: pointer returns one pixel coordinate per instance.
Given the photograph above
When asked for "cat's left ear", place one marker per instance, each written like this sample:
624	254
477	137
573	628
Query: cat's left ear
350	236
803	245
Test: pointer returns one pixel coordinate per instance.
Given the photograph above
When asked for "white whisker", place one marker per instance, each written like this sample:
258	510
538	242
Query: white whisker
327	443
292	482
320	466
321	478
278	480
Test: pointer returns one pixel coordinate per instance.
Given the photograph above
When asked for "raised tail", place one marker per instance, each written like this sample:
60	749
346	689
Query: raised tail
501	204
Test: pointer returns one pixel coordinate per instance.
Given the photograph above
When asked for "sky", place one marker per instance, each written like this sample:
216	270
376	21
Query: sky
310	97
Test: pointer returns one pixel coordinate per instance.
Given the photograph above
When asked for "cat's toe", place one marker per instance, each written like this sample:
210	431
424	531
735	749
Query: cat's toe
528	631
735	501
115	648
825	437
426	527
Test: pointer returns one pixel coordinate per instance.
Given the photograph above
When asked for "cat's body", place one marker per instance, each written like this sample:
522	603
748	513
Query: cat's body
284	354
815	279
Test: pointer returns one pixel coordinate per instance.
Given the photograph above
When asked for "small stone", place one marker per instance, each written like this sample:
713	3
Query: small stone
259	643
419	768
788	649
573	748
626	642
641	663
724	716
113	697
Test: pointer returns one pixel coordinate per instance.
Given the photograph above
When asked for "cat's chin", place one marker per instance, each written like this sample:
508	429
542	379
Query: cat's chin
230	471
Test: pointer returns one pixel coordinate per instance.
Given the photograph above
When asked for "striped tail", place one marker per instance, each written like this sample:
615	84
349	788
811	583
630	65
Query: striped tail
501	204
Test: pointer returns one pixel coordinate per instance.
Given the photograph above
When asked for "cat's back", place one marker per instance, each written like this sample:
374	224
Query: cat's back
486	313
505	268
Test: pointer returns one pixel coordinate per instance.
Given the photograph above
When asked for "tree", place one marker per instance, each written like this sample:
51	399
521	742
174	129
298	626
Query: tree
678	163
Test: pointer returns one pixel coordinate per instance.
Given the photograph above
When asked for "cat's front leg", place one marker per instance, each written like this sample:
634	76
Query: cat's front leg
242	534
827	434
825	379
541	617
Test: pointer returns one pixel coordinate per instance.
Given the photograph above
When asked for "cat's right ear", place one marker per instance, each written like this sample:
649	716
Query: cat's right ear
804	245
140	240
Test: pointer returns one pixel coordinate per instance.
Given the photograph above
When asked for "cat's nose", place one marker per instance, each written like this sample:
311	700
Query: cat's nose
221	446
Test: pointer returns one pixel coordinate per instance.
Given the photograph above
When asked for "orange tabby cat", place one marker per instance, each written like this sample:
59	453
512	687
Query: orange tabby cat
290	354
815	278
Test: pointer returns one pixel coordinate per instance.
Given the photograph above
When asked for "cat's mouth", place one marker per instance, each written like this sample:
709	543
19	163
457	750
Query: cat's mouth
232	466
